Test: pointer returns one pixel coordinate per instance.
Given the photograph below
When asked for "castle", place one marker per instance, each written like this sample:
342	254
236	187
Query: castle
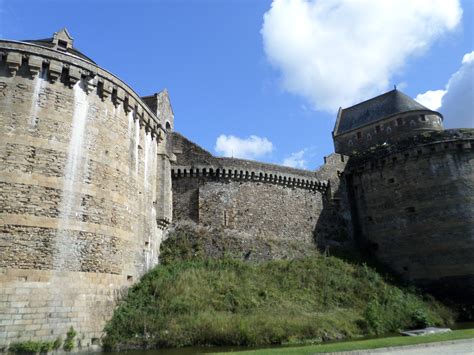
93	175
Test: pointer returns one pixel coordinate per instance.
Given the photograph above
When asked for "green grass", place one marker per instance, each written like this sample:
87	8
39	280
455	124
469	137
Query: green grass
230	302
365	344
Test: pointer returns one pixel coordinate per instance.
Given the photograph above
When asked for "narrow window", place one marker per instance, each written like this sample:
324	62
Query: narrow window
377	129
359	135
62	45
423	118
399	121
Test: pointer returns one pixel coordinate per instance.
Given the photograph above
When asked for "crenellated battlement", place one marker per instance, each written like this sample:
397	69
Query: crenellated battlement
236	173
69	69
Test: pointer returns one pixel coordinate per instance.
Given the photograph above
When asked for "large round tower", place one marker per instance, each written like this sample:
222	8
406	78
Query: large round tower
81	200
411	188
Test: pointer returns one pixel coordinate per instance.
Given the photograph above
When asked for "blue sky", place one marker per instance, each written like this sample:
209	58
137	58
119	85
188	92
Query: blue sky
262	79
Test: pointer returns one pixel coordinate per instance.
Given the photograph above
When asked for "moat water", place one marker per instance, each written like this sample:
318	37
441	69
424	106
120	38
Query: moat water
208	350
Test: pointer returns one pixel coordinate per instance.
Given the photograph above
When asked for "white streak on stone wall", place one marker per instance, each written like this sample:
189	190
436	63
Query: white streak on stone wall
40	82
131	145
149	178
64	257
137	142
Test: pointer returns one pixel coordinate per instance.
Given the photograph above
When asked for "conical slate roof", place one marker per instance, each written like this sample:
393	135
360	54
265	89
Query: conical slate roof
376	109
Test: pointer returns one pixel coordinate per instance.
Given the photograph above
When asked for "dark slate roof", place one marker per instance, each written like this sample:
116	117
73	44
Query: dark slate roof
48	43
376	109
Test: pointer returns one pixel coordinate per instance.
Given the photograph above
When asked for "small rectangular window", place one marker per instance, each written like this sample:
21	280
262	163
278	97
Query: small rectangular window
377	128
399	121
359	135
62	44
423	118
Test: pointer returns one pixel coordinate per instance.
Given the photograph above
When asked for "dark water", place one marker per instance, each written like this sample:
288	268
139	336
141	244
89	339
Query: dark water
206	350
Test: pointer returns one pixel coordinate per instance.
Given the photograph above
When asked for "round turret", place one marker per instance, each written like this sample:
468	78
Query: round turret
384	119
80	155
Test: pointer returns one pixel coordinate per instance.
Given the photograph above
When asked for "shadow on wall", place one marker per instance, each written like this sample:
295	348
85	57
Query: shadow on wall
334	232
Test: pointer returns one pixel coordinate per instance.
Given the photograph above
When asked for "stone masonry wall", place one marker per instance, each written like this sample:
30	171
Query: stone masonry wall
265	201
78	196
415	210
43	304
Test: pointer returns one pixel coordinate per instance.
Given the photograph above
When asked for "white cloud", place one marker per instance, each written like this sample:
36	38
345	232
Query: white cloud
456	102
336	53
246	148
296	160
431	99
468	58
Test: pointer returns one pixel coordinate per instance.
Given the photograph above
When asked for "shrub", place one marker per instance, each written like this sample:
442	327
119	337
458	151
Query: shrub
69	342
31	347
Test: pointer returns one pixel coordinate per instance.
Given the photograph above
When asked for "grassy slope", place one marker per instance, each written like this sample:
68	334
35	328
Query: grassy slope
365	344
228	302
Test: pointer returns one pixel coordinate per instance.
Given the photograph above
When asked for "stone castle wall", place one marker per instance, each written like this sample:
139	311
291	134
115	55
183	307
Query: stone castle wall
272	203
415	209
89	169
80	156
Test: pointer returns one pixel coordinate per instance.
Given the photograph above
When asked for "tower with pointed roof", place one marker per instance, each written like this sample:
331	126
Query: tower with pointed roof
384	119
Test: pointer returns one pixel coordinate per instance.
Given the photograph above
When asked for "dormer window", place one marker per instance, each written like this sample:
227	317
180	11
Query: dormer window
62	40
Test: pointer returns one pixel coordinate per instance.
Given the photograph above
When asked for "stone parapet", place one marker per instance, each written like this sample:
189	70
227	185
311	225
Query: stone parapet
258	175
70	69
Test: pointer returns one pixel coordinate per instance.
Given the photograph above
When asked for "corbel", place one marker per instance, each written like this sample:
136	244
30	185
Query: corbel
55	70
139	111
74	75
34	65
13	62
90	83
106	89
